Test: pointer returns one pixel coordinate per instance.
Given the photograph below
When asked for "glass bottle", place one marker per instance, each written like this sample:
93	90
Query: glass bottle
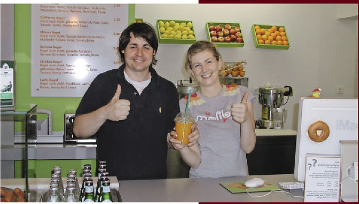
70	194
54	194
72	176
105	191
86	176
100	171
89	191
56	177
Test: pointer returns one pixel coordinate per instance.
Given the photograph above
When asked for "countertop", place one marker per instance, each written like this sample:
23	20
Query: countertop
52	147
202	190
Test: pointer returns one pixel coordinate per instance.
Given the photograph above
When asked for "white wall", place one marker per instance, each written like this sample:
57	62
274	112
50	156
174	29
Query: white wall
322	53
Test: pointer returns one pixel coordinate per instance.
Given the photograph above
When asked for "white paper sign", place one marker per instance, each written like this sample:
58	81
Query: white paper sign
71	44
322	178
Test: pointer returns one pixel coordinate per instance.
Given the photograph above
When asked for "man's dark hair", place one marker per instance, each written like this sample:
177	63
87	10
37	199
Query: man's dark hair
142	30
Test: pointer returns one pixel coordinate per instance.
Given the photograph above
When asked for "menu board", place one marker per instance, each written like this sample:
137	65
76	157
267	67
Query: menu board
71	44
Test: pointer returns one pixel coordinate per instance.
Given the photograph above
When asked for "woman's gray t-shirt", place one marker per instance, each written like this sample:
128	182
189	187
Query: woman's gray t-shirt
219	142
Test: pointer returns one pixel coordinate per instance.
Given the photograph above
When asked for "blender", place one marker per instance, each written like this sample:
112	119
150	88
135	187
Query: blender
271	99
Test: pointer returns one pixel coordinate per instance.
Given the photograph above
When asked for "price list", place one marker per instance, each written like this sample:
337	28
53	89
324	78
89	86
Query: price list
72	44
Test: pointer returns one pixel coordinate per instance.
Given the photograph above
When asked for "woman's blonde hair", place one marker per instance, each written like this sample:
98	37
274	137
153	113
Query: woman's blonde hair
200	46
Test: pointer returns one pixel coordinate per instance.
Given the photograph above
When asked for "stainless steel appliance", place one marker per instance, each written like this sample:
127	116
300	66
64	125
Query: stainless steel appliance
184	86
272	98
69	136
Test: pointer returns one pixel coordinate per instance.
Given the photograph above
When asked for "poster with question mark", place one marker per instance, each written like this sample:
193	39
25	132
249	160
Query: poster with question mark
322	178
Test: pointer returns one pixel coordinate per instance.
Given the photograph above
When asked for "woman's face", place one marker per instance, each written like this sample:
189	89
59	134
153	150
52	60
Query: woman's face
205	68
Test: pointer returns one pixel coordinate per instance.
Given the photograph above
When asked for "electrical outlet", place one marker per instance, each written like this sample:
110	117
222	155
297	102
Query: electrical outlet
340	89
255	91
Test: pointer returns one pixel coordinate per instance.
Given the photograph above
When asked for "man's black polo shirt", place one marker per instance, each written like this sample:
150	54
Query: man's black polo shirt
135	148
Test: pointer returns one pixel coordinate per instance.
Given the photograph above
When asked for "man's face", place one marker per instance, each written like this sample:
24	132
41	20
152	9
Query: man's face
138	54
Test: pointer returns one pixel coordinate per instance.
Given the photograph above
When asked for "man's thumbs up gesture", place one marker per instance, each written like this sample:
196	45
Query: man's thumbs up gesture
117	109
240	111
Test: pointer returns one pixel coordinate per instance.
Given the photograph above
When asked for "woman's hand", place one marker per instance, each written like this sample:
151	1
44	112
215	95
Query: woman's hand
239	111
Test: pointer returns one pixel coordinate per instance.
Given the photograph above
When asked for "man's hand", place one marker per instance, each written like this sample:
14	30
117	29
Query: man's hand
117	109
240	111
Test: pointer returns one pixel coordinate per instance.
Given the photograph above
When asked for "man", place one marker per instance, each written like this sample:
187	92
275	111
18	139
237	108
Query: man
132	110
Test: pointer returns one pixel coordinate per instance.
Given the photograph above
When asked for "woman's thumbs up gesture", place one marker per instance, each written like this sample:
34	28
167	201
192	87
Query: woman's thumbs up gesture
240	111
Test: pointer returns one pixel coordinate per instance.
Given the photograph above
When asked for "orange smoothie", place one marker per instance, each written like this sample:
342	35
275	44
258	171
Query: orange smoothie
183	130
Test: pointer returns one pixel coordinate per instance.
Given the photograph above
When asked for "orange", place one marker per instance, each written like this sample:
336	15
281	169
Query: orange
263	30
270	30
284	38
257	27
258	31
267	42
273	35
264	37
260	42
282	33
259	37
285	42
281	29
274	28
267	33
278	38
270	38
274	42
277	33
280	42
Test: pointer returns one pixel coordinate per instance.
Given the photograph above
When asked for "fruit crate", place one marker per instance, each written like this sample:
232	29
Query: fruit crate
269	46
224	44
173	40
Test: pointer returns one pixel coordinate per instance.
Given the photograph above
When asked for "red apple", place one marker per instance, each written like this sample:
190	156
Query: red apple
212	28
218	28
232	31
221	39
214	39
233	38
225	32
227	39
237	29
220	34
227	26
213	33
240	40
238	34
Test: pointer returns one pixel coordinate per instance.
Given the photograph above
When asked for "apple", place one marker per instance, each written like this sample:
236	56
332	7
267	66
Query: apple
225	32
238	34
240	40
213	33
237	29
220	34
227	26
232	31
218	28
233	38
212	28
221	39
227	39
214	39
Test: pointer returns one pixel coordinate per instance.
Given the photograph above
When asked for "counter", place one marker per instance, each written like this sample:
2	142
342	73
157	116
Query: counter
201	190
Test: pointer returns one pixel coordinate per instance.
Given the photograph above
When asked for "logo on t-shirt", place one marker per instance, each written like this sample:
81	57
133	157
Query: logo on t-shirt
219	115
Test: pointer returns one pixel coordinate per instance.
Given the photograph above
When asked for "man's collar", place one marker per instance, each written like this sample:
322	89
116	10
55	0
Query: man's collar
154	75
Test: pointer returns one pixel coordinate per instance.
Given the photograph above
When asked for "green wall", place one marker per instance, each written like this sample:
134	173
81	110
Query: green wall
58	105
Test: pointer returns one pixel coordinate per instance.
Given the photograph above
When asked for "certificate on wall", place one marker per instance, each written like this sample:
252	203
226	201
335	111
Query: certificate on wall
7	93
322	178
71	44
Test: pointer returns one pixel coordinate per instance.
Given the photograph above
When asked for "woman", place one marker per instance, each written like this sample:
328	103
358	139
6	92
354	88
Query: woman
224	115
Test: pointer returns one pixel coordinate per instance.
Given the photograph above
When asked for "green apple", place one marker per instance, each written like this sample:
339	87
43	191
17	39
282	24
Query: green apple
187	29
189	24
162	29
171	36
177	36
175	28
161	23
181	28
166	32
191	36
169	29
164	36
172	23
184	37
178	32
173	33
190	32
167	24
184	32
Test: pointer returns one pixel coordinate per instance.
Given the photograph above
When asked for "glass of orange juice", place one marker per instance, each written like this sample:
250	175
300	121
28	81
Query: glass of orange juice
183	128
